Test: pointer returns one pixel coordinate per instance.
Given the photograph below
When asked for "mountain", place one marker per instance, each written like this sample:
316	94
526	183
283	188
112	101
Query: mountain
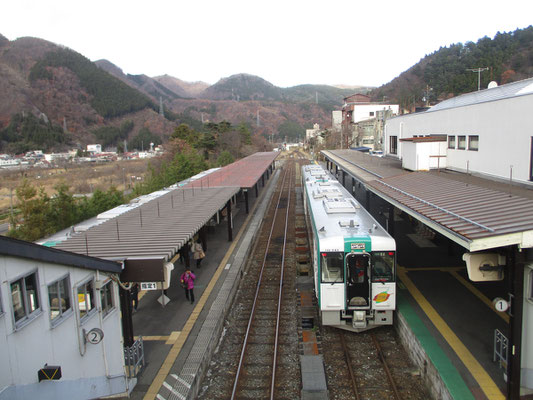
54	98
150	87
182	88
448	71
245	87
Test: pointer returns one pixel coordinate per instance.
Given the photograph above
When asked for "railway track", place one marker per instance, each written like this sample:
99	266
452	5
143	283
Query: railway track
259	353
369	366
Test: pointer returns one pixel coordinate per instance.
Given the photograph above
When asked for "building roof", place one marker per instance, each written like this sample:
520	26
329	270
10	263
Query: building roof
474	212
243	173
509	90
19	248
157	228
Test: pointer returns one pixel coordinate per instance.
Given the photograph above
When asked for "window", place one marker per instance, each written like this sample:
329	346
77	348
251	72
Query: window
529	293
371	113
394	144
59	297
86	299
382	266
462	142
106	298
332	266
25	298
473	142
451	142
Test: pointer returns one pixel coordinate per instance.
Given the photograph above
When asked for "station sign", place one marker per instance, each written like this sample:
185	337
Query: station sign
148	285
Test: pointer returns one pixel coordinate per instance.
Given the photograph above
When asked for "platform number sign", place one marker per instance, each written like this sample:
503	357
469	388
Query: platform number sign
148	286
500	304
94	336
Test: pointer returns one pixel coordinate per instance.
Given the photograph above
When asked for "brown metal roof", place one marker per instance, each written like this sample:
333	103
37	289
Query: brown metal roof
243	173
477	213
155	229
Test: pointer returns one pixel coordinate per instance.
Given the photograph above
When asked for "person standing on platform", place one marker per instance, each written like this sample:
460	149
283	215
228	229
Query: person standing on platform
198	253
135	296
187	282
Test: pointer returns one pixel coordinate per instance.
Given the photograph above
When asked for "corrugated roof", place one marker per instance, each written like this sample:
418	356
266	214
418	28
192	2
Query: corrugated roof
477	213
243	173
513	89
158	228
471	211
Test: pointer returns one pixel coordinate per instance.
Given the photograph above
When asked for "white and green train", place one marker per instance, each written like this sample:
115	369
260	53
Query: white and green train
354	258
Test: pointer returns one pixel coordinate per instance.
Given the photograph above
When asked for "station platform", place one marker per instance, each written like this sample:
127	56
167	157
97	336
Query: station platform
179	337
446	321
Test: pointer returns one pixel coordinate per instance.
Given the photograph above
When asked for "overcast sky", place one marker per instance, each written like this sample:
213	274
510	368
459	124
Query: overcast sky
287	42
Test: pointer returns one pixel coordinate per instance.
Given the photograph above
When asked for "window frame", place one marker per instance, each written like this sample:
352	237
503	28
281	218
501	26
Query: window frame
63	315
103	298
88	314
326	270
529	291
452	138
393	144
470	137
459	138
28	316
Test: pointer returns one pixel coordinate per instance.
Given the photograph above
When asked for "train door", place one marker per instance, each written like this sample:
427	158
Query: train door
357	281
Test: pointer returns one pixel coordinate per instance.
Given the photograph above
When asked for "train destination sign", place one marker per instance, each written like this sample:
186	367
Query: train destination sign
357	246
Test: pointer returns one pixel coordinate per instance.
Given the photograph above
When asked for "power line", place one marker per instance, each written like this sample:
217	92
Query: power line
479	71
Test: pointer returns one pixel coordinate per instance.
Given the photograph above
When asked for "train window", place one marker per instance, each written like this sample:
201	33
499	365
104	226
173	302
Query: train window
382	266
530	289
332	267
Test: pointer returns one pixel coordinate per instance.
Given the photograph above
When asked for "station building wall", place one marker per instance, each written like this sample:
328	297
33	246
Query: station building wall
504	129
88	370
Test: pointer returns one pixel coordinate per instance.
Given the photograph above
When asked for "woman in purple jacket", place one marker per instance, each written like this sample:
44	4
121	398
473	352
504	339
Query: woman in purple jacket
187	282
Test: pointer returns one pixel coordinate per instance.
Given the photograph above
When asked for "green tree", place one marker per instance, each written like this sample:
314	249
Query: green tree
143	139
225	158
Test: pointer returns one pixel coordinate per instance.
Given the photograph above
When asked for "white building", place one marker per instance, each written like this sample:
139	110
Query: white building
336	120
94	148
58	309
313	133
489	132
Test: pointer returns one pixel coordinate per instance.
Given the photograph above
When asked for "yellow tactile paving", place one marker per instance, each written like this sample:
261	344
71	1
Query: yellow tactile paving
487	385
154	388
153	338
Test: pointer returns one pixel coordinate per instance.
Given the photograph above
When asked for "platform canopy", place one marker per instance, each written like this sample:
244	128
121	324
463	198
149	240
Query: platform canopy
158	228
244	173
474	212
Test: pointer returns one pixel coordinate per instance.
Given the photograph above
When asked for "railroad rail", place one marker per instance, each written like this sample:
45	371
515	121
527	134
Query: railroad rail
258	354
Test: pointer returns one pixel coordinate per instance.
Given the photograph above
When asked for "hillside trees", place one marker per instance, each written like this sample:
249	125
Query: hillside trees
110	97
26	132
41	215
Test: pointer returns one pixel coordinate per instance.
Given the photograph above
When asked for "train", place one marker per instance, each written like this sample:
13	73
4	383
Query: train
353	256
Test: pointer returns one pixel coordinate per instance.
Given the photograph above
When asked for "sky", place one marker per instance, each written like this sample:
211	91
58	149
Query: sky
288	43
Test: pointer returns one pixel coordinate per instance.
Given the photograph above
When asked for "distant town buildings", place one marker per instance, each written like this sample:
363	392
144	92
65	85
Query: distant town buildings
362	121
93	154
314	134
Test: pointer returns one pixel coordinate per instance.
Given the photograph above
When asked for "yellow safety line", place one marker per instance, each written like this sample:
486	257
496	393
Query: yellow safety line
154	338
479	295
173	337
154	388
481	376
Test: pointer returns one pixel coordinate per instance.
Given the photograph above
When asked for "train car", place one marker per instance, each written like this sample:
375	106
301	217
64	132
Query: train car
354	258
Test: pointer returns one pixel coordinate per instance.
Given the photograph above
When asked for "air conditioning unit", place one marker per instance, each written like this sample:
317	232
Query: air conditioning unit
483	267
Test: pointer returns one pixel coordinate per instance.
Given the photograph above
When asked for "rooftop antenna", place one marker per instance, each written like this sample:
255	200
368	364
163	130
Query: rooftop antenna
479	71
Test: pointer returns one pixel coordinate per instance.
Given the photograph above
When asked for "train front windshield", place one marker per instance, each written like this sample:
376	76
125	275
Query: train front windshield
332	267
383	266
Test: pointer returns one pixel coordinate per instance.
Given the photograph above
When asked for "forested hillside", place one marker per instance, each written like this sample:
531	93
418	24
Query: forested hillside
448	71
108	96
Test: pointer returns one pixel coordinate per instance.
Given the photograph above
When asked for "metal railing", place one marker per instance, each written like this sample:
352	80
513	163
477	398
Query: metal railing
501	349
134	358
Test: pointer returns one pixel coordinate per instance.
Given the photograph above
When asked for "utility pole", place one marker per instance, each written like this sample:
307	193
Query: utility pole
479	71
